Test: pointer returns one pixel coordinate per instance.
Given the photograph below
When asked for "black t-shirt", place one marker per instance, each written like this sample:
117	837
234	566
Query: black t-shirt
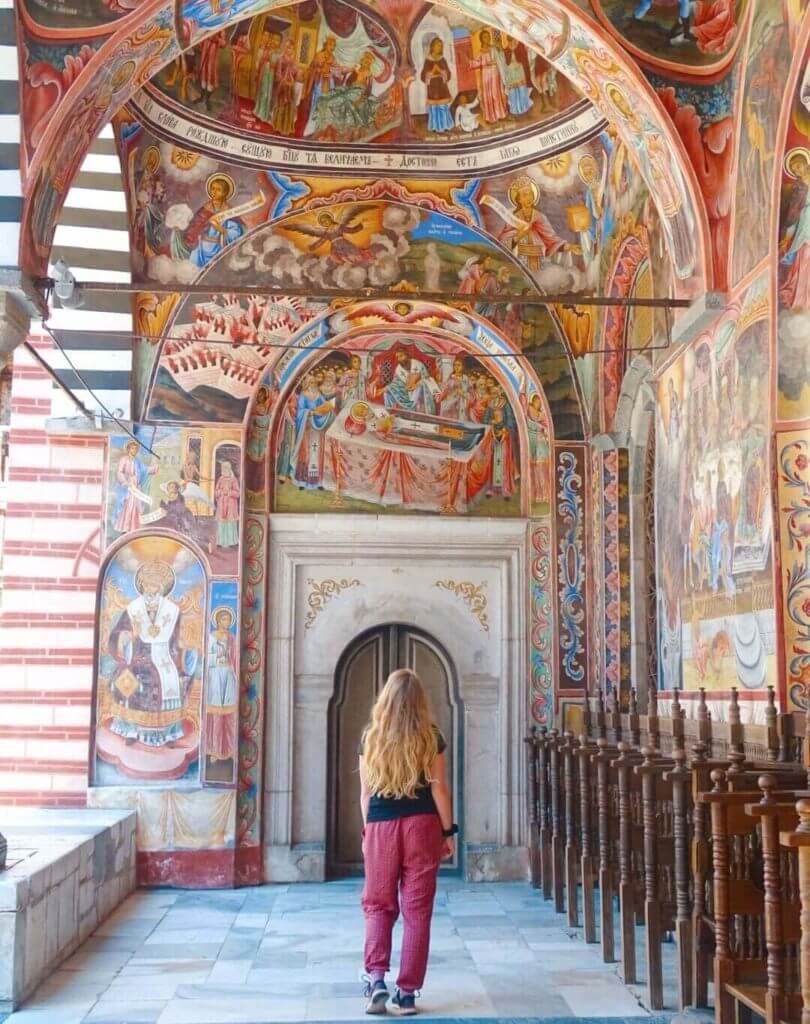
388	808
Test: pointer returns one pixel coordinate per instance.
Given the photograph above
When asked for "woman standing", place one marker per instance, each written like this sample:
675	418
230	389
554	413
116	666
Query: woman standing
408	831
226	493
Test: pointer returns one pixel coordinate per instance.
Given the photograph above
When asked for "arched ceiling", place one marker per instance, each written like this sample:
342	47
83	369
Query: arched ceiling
574	83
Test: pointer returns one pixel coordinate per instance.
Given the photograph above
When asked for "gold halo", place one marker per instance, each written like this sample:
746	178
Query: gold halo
524	181
156	565
590	161
123	75
218	611
797	150
620	102
221	176
151	155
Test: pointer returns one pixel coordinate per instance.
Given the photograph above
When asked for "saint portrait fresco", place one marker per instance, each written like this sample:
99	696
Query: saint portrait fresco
150	669
222	684
184	481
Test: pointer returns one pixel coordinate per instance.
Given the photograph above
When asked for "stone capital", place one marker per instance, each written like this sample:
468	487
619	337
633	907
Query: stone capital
19	302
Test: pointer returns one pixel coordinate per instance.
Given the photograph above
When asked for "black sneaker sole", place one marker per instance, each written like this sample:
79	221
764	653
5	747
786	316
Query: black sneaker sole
398	1011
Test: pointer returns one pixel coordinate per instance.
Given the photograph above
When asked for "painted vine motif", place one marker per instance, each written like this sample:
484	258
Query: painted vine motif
571	569
541	653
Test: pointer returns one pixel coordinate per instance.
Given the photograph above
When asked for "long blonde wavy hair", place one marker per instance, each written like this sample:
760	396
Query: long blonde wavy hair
400	743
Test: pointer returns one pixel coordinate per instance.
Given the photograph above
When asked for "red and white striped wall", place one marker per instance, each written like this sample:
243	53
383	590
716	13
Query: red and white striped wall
50	561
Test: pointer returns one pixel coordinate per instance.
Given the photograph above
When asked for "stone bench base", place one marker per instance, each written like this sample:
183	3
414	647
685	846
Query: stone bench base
66	871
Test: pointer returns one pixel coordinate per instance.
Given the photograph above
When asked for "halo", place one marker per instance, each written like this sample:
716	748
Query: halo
218	611
221	176
165	485
590	161
168	574
796	151
524	181
151	156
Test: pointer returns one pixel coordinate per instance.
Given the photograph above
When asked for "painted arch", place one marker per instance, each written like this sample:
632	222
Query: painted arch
153	36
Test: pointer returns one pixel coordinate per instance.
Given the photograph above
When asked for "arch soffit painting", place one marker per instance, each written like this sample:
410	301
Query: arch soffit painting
147	41
478	327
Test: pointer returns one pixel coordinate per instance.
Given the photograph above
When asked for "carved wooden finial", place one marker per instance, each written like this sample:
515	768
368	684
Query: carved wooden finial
718	777
623	748
543	731
737	758
803	808
602	743
703	713
770	708
699	750
583	740
601	699
679	757
677	710
734	707
767	783
648	753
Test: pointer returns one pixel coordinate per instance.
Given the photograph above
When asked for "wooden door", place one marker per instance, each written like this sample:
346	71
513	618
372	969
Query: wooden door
361	675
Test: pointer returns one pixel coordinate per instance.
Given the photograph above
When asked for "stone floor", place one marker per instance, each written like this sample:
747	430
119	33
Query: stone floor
292	953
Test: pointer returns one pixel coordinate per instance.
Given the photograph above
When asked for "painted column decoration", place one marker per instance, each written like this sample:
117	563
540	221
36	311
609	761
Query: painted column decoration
570	513
597	681
541	652
616	540
794	513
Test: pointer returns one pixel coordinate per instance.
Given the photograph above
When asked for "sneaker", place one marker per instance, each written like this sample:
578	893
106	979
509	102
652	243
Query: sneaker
376	994
404	1004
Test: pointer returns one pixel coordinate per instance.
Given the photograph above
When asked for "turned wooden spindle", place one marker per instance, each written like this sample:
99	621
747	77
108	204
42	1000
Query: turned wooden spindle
615	716
680	779
586	802
531	742
633	720
543	811
653	725
557	811
771	726
601	723
649	772
571	837
806	743
603	760
774	926
627	910
801	839
678	718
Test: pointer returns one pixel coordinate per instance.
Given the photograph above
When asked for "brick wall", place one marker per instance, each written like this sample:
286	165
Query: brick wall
50	561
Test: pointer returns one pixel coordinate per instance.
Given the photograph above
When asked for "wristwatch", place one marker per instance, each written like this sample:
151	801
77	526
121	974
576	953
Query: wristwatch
452	831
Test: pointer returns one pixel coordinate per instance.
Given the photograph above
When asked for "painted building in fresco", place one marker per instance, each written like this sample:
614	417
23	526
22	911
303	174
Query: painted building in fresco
375	413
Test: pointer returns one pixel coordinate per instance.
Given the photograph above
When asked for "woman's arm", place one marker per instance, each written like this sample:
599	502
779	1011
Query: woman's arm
443	799
365	795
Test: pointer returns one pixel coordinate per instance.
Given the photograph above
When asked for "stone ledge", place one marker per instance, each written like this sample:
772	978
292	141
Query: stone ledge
67	870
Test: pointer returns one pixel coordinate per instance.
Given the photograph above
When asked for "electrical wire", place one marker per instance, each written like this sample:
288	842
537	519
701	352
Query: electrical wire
96	399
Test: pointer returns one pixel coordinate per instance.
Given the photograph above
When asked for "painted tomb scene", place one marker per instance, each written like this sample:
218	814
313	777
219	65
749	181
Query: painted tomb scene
330	71
405	423
184	481
714	528
151	653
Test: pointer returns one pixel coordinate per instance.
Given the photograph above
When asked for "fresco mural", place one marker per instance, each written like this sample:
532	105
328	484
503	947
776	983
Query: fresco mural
406	424
151	655
793	400
187	481
222	684
703	116
713	515
768	53
793	450
67	14
700	38
332	71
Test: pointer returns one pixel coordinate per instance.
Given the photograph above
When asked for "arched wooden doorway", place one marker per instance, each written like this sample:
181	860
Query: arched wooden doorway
360	675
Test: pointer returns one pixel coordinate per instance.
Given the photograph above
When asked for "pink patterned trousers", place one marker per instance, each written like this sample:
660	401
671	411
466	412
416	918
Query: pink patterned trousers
402	860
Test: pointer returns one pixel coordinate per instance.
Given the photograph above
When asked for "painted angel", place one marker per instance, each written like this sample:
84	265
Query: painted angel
333	233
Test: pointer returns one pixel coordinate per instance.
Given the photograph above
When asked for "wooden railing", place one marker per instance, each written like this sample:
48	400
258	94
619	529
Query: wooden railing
676	824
